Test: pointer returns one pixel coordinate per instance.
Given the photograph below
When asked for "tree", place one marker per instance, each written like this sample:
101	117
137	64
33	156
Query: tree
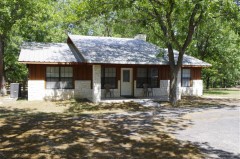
217	42
174	22
11	13
221	49
26	20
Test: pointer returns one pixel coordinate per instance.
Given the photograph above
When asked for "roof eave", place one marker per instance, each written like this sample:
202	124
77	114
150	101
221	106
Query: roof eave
50	63
196	65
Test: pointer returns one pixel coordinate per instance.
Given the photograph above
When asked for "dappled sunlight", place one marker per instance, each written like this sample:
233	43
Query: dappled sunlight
45	135
104	130
87	106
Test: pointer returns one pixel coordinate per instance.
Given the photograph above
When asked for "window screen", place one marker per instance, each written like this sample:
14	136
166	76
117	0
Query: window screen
147	76
186	78
108	77
52	78
126	76
141	77
59	78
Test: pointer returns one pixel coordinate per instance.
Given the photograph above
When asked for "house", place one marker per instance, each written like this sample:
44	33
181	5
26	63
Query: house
82	67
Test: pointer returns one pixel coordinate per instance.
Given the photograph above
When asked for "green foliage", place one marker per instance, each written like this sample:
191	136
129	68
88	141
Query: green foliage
15	72
217	42
47	24
27	20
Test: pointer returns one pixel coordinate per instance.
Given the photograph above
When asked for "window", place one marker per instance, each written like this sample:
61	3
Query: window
59	78
148	76
66	81
186	78
153	77
141	77
126	76
108	77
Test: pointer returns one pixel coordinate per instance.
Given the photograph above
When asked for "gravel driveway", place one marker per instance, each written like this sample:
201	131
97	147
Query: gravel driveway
216	130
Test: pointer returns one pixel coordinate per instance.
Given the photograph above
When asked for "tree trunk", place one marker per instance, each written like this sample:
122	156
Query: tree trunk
1	61
2	78
208	83
174	86
24	88
174	70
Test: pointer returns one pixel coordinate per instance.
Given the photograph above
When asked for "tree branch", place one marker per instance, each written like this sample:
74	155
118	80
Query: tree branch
165	31
155	33
159	20
169	23
192	25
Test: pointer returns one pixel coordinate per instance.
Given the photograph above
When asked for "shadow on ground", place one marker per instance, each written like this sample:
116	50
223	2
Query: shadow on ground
213	153
40	135
133	134
80	105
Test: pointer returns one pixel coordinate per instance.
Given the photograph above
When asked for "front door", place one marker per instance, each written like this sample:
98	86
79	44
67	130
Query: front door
126	82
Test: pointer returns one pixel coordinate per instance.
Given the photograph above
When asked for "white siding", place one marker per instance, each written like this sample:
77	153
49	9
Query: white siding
96	92
195	90
36	90
83	89
59	94
179	92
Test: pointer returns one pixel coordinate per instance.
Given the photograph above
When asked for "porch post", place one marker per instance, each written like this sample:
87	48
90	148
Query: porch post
96	79
179	87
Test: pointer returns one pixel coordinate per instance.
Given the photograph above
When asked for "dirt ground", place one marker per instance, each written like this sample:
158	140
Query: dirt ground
130	133
88	107
79	129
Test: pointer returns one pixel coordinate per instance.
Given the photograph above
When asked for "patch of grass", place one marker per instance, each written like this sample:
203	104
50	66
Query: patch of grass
226	93
215	92
189	101
204	102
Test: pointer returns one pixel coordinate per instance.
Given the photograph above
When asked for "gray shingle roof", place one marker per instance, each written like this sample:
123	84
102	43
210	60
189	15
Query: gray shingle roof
125	51
187	60
48	53
102	50
116	50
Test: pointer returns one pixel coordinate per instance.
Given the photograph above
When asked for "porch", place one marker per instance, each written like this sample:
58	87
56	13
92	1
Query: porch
128	84
134	99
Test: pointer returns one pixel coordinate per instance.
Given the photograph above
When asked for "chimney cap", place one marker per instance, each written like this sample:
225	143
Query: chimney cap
141	37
